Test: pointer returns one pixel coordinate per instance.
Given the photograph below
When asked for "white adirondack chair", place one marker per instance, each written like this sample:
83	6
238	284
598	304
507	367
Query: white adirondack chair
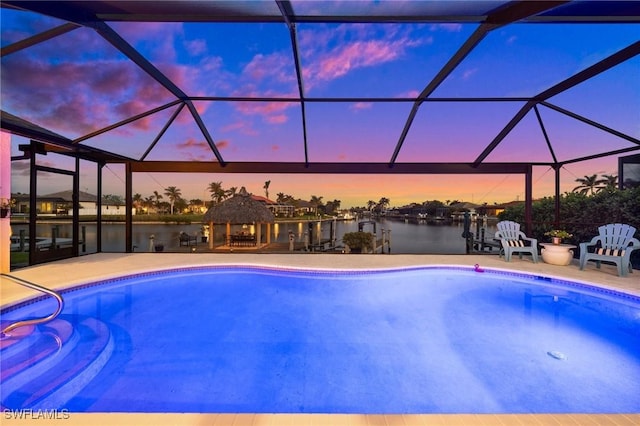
614	244
513	240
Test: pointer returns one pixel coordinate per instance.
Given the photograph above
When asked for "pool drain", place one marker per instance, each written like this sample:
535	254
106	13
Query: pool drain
557	355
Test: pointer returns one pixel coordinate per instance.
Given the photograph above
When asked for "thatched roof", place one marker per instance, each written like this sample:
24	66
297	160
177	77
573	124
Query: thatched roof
240	208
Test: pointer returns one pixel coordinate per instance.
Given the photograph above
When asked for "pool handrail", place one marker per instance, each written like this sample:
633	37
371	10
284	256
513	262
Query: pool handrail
34	321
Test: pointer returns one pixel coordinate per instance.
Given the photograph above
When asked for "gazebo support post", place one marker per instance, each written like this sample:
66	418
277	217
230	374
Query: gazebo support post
258	233
268	233
211	235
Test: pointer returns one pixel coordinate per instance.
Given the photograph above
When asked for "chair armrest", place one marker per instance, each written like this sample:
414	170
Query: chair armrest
593	242
635	244
533	241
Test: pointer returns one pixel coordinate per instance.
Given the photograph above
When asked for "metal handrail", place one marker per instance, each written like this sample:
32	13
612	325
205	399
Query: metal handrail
34	321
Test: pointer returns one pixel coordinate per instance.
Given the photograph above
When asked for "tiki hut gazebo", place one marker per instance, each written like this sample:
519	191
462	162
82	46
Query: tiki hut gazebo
241	209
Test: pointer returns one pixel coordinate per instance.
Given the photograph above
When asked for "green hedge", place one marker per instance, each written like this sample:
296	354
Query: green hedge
581	214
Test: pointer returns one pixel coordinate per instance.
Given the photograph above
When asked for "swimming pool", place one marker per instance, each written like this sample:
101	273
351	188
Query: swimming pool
256	339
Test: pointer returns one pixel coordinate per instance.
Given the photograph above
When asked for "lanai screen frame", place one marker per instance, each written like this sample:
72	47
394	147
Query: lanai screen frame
96	14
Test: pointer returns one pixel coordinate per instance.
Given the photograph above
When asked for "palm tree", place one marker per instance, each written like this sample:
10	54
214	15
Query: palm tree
217	193
315	201
174	194
285	198
370	204
148	203
383	203
266	188
608	183
137	201
157	197
231	192
113	200
588	184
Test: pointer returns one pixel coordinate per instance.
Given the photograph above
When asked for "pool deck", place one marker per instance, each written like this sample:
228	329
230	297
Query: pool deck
76	271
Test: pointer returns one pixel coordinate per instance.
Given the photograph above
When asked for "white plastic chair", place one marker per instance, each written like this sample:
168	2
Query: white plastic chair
513	240
614	244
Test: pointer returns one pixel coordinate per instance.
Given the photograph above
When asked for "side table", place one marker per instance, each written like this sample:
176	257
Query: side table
557	254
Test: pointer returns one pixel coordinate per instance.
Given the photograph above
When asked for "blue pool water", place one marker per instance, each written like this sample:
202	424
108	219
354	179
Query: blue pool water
249	339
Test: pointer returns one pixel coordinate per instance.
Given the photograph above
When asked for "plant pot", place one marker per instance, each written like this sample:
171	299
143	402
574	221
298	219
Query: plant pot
159	247
4	213
204	239
556	240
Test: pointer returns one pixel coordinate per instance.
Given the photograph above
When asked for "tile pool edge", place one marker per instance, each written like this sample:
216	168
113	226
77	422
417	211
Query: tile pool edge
584	286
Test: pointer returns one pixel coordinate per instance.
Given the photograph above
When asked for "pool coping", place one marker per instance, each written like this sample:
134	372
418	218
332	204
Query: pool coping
70	273
594	289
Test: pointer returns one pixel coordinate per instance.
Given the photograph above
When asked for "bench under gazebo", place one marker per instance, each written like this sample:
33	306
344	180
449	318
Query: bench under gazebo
241	209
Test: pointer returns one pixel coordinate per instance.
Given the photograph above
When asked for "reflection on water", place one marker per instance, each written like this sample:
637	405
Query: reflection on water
406	237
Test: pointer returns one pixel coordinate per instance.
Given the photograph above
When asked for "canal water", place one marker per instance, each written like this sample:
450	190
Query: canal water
408	237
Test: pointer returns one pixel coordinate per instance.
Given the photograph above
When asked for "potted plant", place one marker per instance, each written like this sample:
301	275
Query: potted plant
358	242
205	233
557	235
5	206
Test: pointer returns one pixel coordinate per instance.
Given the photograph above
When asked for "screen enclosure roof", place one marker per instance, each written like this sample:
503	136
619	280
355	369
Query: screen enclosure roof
324	86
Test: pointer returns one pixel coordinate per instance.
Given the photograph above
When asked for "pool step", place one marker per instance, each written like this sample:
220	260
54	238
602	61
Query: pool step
45	376
29	345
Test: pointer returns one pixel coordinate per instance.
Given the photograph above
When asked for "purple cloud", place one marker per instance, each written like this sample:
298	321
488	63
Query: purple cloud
75	96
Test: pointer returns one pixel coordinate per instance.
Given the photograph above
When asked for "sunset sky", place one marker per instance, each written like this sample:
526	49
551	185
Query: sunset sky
77	83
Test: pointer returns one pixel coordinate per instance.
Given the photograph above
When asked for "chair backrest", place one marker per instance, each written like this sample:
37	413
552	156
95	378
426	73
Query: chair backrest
616	236
509	230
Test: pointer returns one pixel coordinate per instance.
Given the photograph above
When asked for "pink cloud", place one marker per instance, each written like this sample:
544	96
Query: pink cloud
277	119
223	144
233	126
272	112
409	94
243	127
353	56
196	47
117	90
189	77
450	27
334	52
163	35
143	31
275	66
361	105
469	73
275	148
194	144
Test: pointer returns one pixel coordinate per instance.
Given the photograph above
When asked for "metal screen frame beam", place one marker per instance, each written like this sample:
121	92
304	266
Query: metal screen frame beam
328	168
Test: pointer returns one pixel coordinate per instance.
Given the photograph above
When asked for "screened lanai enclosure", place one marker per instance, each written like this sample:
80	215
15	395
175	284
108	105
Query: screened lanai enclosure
529	90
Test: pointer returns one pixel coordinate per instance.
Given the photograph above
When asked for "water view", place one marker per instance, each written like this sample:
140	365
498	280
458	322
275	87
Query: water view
407	237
